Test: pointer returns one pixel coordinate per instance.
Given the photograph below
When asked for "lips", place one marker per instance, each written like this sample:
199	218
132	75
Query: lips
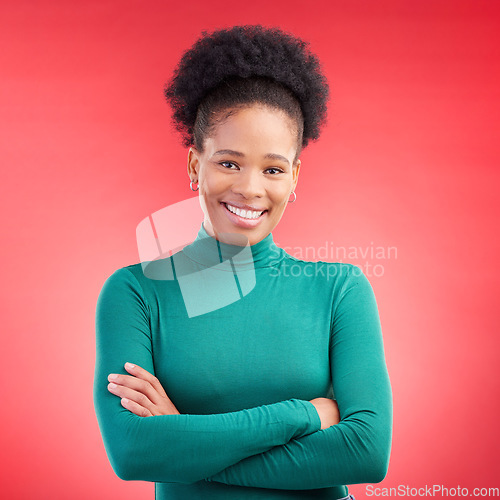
245	213
242	221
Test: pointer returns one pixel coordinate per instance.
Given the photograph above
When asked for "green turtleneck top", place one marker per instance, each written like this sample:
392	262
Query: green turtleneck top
241	339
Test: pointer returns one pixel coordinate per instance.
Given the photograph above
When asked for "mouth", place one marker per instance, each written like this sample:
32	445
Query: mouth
244	218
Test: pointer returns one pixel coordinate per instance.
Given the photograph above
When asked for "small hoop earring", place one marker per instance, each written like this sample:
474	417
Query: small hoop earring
191	186
294	197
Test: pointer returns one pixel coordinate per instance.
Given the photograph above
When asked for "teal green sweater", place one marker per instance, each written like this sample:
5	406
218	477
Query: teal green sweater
241	339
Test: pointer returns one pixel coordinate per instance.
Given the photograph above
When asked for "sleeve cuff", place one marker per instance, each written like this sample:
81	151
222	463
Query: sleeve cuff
312	413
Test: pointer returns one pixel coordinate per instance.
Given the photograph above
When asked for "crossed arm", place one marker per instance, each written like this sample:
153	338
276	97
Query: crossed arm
142	394
292	444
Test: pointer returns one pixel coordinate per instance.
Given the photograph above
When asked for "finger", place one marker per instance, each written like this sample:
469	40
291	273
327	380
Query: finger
135	408
143	374
136	384
135	396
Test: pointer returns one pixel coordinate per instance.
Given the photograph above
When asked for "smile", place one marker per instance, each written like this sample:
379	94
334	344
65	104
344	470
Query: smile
246	214
244	218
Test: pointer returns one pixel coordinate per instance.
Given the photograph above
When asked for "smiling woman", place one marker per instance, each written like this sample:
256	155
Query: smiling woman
237	379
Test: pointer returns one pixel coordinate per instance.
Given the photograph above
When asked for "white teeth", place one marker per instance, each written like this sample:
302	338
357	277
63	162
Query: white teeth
246	214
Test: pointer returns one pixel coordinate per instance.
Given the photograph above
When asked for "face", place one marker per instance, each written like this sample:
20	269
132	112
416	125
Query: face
246	174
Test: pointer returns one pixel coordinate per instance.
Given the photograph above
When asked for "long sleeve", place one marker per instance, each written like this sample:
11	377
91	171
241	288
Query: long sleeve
357	449
173	448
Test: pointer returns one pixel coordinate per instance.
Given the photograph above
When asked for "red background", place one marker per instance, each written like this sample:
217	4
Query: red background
409	159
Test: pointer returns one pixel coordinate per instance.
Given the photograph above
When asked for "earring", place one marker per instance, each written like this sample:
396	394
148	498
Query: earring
294	197
191	186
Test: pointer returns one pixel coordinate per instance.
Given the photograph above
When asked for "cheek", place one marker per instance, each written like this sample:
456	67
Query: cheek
281	194
206	190
210	195
212	185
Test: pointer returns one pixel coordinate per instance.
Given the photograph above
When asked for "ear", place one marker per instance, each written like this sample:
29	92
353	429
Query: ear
295	174
193	163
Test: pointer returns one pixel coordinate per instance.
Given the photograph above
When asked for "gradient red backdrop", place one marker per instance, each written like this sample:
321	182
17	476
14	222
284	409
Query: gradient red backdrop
409	159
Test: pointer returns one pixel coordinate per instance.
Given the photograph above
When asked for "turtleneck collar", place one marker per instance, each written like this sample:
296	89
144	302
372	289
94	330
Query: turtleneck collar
209	251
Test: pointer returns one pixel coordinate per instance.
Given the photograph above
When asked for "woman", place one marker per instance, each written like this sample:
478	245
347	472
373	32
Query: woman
274	383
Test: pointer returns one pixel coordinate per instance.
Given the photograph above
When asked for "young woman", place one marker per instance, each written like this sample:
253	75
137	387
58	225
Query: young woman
274	384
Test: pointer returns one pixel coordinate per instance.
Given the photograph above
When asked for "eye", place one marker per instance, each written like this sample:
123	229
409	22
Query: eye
224	163
278	170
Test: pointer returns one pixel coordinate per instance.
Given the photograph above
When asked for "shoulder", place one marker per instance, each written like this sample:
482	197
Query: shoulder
122	275
343	275
338	270
123	283
355	291
146	273
144	281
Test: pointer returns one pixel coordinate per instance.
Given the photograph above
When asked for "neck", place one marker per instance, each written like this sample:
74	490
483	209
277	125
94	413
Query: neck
235	239
209	251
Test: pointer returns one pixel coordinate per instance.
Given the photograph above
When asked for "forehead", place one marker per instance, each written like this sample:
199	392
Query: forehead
254	128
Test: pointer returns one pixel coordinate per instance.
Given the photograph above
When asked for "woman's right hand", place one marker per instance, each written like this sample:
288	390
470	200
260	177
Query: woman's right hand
328	411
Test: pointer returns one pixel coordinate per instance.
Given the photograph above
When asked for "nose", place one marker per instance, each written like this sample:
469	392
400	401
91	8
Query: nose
249	183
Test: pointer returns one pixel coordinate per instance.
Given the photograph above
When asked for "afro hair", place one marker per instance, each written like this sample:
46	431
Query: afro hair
232	67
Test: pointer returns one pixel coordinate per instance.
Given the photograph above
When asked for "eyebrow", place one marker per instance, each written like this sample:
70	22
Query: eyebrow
271	156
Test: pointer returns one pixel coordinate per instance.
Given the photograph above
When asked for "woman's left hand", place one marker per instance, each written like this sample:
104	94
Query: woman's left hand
141	392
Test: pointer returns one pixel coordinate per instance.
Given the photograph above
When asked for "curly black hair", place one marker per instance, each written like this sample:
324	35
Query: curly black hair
233	67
